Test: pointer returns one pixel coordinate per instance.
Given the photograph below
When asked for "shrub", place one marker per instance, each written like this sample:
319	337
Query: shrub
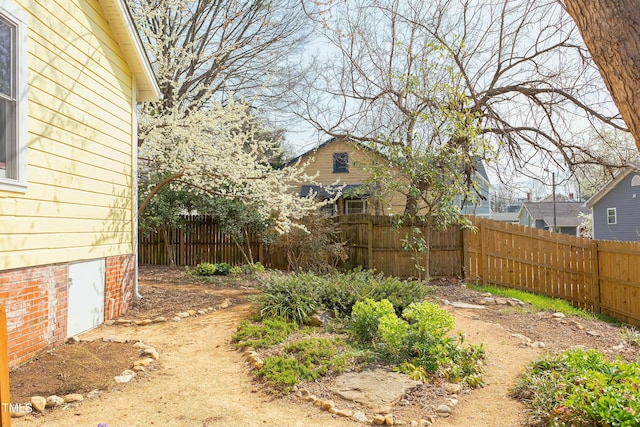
365	319
270	332
222	269
581	388
340	291
304	360
205	269
292	297
420	339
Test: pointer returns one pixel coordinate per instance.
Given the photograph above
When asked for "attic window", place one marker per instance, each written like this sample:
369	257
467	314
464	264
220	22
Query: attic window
635	181
340	162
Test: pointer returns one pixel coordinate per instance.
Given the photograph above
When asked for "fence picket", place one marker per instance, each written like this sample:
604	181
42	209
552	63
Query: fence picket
603	276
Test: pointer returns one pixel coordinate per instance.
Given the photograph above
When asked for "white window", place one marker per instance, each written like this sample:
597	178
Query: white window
635	181
357	206
611	216
13	98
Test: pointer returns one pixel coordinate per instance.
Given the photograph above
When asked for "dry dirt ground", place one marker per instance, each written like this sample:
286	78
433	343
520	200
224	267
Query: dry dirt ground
201	380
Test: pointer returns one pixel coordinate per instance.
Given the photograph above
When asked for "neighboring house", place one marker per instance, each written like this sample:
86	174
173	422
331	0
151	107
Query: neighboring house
71	74
342	164
540	215
616	207
510	217
482	205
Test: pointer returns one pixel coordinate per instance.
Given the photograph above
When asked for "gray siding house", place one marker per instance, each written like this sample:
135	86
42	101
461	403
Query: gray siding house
540	215
482	207
616	207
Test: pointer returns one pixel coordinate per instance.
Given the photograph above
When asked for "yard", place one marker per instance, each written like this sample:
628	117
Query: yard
200	379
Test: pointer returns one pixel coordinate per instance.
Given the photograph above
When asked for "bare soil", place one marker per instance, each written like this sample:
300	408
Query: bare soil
201	379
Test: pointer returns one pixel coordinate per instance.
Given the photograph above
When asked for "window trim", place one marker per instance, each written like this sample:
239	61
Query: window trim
18	17
345	167
347	202
615	216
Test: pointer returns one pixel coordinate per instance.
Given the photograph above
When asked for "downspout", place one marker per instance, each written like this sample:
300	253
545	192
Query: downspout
134	188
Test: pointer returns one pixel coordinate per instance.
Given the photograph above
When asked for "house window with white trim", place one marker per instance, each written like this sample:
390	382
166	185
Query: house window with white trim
612	216
355	206
13	99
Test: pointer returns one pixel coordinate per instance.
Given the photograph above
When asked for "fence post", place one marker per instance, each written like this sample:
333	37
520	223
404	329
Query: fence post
595	276
483	250
465	253
370	242
5	414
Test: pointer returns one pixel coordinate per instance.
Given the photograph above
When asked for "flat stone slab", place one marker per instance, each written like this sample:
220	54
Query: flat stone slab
458	304
378	389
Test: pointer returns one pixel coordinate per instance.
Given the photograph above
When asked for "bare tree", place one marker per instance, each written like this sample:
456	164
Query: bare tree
611	31
618	148
202	49
519	68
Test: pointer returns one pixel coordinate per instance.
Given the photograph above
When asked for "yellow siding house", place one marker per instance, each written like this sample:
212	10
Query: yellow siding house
346	164
71	74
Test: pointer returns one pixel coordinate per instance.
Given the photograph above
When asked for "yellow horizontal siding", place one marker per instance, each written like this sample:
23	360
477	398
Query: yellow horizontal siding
320	162
73	36
44	210
54	256
10	224
78	203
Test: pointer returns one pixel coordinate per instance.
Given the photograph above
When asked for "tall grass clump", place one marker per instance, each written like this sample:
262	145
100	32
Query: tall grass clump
298	295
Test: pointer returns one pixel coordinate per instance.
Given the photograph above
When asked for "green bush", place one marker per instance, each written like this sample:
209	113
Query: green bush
340	291
581	388
293	297
205	269
365	319
419	338
304	360
222	269
270	332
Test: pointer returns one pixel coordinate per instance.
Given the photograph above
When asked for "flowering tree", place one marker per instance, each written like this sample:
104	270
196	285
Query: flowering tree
219	151
197	138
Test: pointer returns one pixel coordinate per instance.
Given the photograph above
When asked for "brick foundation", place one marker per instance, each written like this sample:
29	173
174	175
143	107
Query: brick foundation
118	286
36	303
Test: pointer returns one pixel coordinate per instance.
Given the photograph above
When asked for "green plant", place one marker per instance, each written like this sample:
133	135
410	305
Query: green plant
416	373
270	332
293	297
365	318
222	269
205	269
581	388
235	270
420	338
304	360
631	335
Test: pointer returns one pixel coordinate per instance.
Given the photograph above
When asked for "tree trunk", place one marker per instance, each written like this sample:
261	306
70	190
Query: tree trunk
611	31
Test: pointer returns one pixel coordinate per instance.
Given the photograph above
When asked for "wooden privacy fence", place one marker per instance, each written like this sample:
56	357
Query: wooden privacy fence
602	276
200	240
375	243
5	402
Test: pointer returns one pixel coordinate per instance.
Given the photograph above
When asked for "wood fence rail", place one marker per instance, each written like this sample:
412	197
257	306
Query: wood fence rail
602	276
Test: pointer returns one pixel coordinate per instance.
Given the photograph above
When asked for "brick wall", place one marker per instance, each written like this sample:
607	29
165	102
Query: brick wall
35	300
118	287
36	303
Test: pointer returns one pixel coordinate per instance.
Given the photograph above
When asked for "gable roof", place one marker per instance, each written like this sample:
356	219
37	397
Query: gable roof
128	38
566	212
629	169
478	163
